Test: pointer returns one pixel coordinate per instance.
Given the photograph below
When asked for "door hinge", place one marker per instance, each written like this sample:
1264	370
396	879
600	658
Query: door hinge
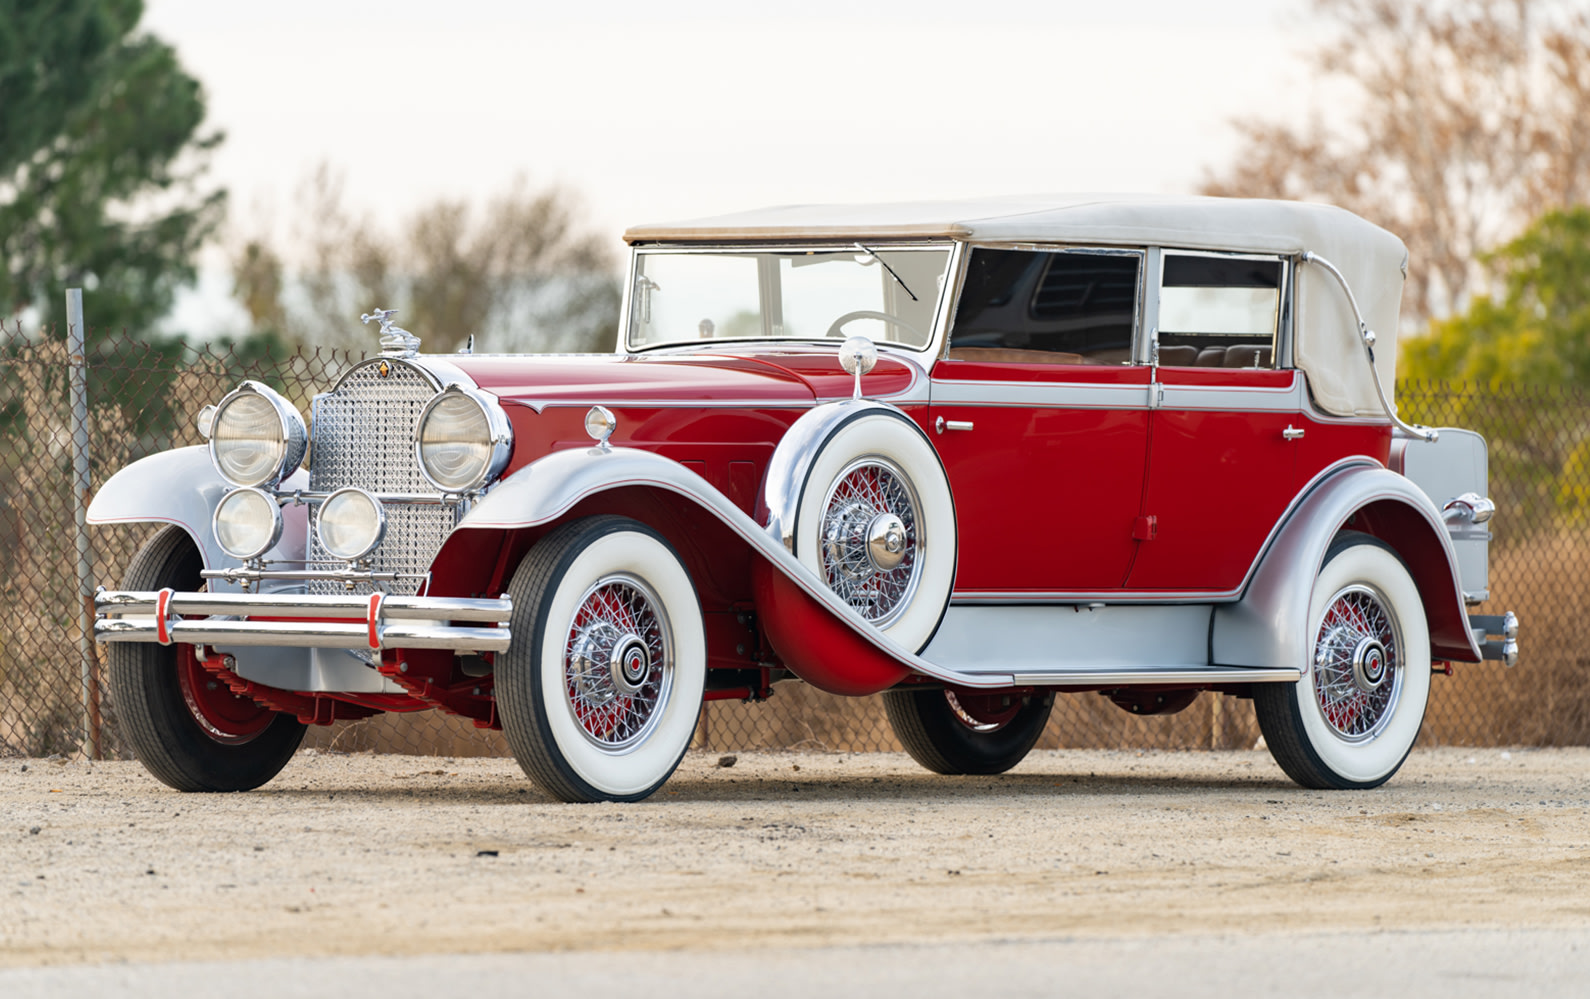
1145	528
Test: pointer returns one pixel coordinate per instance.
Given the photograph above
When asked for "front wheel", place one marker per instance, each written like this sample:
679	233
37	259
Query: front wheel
185	726
1352	719
967	732
600	689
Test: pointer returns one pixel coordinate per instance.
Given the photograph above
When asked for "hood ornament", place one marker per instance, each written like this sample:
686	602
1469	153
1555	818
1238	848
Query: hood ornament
395	341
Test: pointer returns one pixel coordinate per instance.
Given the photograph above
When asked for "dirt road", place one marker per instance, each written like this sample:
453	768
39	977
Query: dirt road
369	855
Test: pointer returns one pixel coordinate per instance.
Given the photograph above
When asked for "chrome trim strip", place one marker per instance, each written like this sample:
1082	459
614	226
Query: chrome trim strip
1088	395
1053	395
1191	675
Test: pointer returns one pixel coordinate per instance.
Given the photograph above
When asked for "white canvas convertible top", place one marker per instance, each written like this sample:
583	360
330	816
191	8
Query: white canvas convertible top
1326	345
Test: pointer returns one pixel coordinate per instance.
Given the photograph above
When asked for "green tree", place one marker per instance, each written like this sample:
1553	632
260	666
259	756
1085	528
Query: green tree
101	157
1536	330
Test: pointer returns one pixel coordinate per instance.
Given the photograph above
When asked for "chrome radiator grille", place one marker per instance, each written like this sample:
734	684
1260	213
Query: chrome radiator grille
363	435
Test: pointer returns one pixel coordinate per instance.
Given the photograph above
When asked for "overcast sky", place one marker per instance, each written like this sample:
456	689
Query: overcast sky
662	110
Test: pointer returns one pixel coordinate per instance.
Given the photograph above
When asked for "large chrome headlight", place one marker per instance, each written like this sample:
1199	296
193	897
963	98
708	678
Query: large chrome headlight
257	438
463	439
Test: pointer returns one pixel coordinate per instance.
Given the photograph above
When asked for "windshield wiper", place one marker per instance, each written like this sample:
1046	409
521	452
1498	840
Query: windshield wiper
886	267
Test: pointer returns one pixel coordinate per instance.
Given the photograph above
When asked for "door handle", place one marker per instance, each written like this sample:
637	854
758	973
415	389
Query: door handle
1292	433
941	424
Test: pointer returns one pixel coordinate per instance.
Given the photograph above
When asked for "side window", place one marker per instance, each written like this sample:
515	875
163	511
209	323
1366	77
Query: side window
1055	307
1219	311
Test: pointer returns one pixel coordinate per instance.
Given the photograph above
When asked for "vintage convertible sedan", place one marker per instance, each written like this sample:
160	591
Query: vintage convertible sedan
968	455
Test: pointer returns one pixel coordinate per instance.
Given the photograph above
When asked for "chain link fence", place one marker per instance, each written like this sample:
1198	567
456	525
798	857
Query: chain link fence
142	398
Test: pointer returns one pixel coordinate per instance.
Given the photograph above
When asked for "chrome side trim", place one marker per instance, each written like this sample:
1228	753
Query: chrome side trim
1196	676
1269	624
1054	395
1087	395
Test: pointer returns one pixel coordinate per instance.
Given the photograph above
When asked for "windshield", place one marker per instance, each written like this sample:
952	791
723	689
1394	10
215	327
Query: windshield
888	294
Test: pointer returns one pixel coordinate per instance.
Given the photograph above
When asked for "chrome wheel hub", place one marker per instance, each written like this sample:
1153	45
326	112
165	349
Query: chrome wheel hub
1357	674
618	662
886	542
870	545
1369	665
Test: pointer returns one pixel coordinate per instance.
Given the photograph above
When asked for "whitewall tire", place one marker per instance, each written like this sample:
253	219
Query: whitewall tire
1352	719
602	685
876	522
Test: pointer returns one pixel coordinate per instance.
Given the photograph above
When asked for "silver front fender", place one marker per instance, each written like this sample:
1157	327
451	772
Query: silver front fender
182	487
548	488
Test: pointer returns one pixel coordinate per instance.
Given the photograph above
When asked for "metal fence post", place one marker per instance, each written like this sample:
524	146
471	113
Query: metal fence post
81	485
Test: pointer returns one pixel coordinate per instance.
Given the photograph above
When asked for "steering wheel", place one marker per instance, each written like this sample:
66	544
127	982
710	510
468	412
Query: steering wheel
838	324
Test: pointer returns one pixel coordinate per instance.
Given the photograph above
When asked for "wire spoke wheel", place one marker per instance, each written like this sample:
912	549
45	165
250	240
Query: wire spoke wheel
1355	714
869	539
618	662
601	687
1357	674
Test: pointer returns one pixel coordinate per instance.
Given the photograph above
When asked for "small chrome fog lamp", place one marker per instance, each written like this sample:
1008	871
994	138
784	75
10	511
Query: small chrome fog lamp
247	523
351	524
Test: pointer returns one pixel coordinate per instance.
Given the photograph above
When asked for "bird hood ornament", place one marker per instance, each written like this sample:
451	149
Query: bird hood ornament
395	341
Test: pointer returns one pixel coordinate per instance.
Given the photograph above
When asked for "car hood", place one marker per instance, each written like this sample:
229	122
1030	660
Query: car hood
779	378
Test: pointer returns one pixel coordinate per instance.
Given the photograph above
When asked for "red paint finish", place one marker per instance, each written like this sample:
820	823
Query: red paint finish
817	646
1218	479
786	377
1045	495
226	716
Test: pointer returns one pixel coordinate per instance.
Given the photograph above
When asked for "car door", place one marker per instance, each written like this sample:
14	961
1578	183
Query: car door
1224	431
1041	419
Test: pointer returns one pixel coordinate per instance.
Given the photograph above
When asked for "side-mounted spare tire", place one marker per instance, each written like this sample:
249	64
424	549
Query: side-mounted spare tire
876	522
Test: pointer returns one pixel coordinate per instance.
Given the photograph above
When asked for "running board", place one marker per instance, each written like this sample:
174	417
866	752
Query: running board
1190	676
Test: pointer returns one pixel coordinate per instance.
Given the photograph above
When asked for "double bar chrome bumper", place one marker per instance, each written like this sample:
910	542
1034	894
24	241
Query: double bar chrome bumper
361	622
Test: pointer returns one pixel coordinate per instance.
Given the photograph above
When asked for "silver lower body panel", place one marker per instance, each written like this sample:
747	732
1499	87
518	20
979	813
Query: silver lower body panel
1090	645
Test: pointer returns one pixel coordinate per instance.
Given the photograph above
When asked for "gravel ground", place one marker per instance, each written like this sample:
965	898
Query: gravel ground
354	856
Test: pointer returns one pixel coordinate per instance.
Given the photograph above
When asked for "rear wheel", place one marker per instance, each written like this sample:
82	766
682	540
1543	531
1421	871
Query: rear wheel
1352	719
187	727
967	732
601	687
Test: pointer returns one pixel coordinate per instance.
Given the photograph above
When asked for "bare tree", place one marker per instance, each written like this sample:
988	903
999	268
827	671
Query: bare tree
519	273
1472	118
